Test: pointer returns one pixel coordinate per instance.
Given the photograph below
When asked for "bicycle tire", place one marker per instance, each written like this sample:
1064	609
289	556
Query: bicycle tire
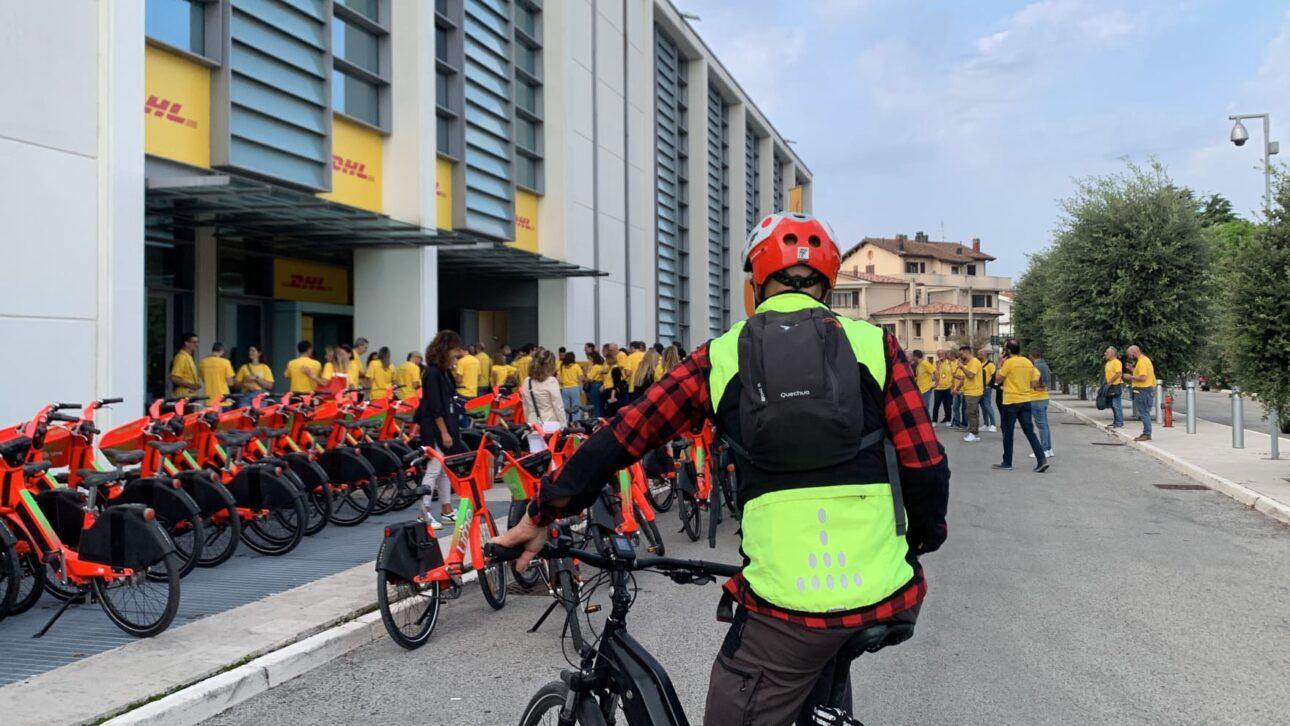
32	584
649	529
352	504
223	532
492	578
570	597
188	542
318	503
142	628
688	508
545	705
57	590
531	576
420	621
282	529
10	575
661	502
729	485
315	519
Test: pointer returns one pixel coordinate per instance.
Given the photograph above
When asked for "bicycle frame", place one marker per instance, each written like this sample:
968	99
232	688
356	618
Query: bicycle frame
472	514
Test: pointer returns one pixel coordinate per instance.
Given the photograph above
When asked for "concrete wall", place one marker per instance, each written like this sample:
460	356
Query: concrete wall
71	200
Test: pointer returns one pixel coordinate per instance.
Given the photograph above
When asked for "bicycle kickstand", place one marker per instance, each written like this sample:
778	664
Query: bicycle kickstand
550	609
66	604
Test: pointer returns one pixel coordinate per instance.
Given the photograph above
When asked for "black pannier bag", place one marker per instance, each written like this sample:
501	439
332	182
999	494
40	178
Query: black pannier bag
345	466
123	536
409	550
259	486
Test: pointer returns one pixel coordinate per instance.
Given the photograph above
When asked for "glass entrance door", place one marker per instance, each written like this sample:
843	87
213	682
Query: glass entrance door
160	343
241	323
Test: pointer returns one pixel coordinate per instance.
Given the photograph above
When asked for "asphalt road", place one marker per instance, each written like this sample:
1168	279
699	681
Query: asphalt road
1216	406
1085	595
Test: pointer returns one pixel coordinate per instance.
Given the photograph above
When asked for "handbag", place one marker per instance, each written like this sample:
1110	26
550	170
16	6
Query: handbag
1101	400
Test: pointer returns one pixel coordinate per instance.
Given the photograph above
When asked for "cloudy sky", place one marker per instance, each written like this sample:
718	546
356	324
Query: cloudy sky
975	117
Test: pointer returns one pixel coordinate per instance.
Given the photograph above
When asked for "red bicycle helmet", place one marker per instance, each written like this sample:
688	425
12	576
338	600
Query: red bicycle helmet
785	239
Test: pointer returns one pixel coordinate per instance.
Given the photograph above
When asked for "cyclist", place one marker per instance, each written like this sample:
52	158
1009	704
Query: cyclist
821	412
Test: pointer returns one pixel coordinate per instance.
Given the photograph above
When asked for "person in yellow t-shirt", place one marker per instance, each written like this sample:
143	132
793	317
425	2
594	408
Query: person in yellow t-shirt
339	371
217	375
183	370
1113	372
1142	377
522	363
485	365
467	373
944	380
380	373
502	373
1016	375
989	419
254	376
570	376
1042	380
303	373
630	361
357	372
595	377
973	388
924	375
408	376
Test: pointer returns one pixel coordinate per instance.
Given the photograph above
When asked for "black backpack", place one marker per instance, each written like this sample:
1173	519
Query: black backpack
801	405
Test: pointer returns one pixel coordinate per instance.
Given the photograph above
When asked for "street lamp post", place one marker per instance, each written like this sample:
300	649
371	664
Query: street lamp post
1239	137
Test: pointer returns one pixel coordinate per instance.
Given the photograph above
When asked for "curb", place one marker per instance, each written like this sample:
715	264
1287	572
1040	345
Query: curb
1241	493
208	698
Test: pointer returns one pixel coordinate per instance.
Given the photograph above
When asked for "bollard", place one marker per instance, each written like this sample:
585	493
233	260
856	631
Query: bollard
1275	420
1191	405
1160	395
1238	419
1083	392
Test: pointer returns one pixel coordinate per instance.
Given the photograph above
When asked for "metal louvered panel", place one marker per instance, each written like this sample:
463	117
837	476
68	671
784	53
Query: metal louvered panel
276	84
489	147
718	215
752	180
778	181
672	258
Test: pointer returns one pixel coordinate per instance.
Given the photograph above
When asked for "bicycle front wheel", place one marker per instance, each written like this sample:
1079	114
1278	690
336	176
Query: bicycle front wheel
492	578
139	604
10	574
409	611
544	708
649	529
661	493
688	508
31	583
181	518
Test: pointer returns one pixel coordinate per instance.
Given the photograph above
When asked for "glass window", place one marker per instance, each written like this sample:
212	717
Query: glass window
526	19
527	171
180	23
363	7
355	97
443	138
442	86
526	59
441	44
971	269
441	7
526	97
526	134
355	45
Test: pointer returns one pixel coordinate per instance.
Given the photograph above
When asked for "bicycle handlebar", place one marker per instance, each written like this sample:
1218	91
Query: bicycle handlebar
55	416
61	406
666	565
110	401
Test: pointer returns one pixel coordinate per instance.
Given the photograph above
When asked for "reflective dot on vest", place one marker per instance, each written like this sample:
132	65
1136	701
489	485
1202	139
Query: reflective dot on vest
828	560
815	582
842	559
821	515
801	584
845	581
857	579
824	538
828	582
810	560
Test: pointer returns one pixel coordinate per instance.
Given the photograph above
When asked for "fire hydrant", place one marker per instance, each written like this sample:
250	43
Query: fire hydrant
1167	410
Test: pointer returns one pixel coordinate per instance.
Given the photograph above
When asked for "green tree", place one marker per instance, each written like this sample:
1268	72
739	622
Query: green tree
1216	210
1130	266
1031	301
1227	241
1259	300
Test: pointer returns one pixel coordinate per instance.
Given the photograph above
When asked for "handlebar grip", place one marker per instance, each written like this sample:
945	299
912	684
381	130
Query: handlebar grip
501	553
110	401
55	416
411	457
60	406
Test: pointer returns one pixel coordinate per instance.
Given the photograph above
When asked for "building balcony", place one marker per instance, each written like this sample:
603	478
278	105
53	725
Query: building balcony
979	283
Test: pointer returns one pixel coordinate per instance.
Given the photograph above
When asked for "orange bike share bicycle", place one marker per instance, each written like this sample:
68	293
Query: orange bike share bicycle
412	572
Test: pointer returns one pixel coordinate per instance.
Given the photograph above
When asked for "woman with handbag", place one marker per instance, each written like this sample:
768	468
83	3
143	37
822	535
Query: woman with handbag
542	399
437	415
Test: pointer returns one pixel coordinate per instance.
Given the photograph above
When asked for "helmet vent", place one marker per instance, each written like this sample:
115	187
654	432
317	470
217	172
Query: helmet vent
814	241
790	239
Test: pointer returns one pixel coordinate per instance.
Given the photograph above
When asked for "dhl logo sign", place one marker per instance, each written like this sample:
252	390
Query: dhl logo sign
351	167
525	223
439	193
315	283
167	109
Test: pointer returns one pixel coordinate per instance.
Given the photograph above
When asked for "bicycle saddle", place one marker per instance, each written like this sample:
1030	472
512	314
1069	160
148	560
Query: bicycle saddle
273	433
14	450
233	438
35	467
319	429
169	447
122	458
874	638
405	417
537	464
93	478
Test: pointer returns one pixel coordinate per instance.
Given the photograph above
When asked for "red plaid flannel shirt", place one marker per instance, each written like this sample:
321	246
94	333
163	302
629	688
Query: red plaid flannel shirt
682	401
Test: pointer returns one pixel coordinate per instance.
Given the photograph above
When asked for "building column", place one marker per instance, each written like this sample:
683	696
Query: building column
697	170
766	162
205	290
396	291
737	129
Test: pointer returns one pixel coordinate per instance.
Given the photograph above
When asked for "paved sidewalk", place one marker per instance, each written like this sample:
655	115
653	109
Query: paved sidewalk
1247	475
142	670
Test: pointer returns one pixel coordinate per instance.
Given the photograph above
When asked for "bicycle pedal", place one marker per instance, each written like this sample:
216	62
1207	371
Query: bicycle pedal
591	608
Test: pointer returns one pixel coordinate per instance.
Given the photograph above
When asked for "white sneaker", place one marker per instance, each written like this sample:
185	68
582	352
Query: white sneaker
992	429
1049	453
971	437
1031	454
436	524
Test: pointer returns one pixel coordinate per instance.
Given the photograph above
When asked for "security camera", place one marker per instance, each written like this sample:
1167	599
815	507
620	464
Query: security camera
1239	134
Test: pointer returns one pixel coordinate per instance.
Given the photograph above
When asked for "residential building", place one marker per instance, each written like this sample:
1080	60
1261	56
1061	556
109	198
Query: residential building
265	171
928	294
1006	298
